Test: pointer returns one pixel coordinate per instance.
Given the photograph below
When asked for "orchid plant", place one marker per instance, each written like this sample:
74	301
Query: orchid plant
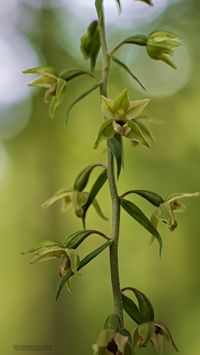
123	117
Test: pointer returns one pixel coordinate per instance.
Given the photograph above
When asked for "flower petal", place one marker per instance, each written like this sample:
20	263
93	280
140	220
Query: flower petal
136	107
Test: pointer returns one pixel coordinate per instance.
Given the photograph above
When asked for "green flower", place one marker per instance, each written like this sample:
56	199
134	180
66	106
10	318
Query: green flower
154	332
160	45
124	118
50	250
111	342
165	212
54	85
73	199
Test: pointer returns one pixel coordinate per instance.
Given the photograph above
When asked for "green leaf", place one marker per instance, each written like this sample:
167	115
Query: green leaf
98	5
105	131
82	96
98	210
140	217
83	177
145	307
90	43
75	239
131	309
70	74
150	196
119	5
148	2
124	66
115	144
93	192
140	40
83	263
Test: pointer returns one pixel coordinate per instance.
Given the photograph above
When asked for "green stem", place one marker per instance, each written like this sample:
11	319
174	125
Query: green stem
114	262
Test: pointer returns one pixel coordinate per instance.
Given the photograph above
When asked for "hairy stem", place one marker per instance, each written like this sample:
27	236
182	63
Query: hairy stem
114	263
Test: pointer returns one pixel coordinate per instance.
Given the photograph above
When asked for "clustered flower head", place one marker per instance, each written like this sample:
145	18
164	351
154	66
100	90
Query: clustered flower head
54	85
160	45
123	117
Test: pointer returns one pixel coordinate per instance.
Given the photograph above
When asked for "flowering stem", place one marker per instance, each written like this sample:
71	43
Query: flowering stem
114	267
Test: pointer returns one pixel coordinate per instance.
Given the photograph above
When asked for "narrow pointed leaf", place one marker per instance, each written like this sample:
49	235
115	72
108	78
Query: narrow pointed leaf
71	74
131	309
148	2
82	96
150	196
119	5
115	144
98	210
75	239
98	5
124	66
145	306
140	217
83	177
83	263
93	192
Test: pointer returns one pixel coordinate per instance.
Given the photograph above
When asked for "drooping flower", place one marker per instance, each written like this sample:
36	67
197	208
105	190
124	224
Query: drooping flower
73	199
54	85
160	45
124	118
111	342
165	212
154	332
50	250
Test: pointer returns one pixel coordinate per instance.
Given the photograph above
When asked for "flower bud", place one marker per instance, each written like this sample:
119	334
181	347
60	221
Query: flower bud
161	44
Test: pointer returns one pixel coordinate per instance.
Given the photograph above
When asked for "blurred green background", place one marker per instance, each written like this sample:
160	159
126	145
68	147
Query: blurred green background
38	156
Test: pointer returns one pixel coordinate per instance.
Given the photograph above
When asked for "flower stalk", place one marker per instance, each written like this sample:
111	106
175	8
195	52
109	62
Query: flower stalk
114	261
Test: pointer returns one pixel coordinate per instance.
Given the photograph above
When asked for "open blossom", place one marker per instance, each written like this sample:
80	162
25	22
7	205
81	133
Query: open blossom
124	118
